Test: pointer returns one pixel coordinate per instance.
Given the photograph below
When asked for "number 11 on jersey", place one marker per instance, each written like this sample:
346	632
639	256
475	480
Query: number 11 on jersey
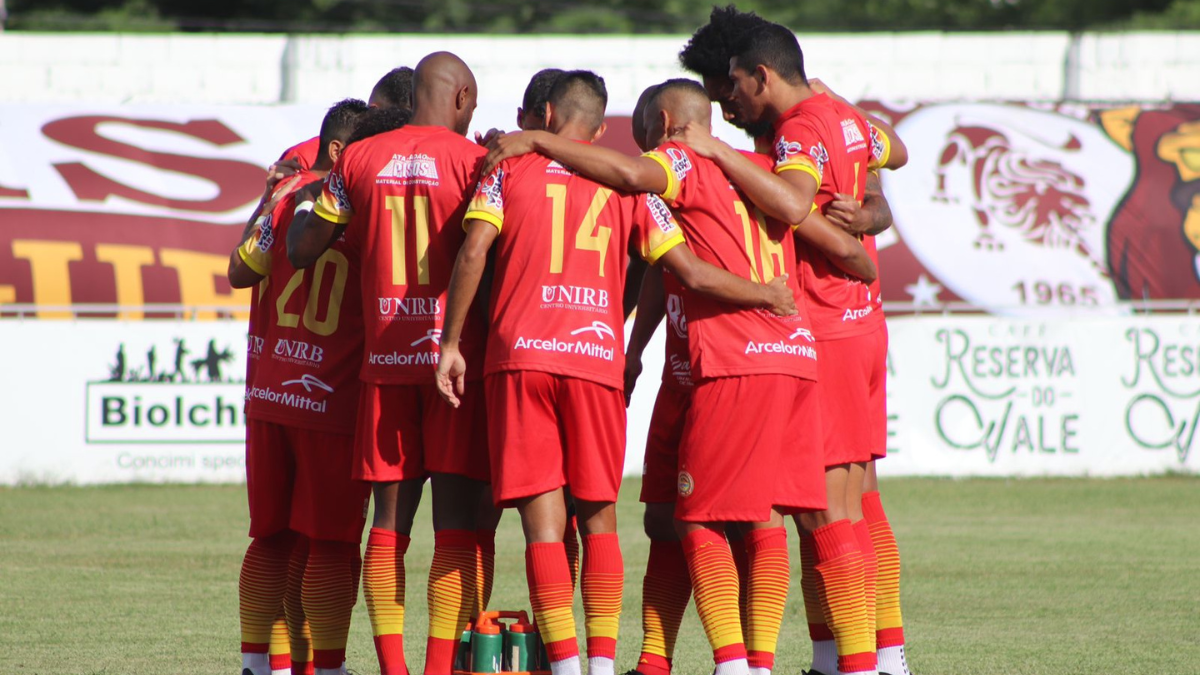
395	206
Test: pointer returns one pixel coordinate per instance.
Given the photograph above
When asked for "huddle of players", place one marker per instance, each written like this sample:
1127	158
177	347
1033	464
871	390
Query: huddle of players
750	425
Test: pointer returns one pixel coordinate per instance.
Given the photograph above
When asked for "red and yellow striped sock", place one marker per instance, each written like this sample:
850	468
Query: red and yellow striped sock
770	575
261	587
551	595
485	569
281	648
715	585
889	623
840	566
666	590
603	585
737	546
451	596
870	570
299	635
571	541
383	588
810	586
329	599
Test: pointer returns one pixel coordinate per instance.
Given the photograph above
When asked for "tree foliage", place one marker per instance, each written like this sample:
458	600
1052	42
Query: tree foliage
591	16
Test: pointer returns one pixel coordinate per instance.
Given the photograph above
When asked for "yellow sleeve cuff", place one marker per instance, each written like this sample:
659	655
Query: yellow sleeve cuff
884	149
673	185
255	258
800	166
661	250
485	216
333	215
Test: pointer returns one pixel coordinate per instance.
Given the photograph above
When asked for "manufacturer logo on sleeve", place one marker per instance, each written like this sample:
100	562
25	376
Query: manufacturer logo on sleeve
680	163
661	213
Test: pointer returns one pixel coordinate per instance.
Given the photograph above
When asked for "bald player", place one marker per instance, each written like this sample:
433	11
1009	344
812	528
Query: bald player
399	198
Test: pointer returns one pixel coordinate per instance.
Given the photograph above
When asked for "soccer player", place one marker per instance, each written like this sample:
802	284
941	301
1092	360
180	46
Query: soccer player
824	147
399	198
301	404
889	623
684	104
707	54
556	411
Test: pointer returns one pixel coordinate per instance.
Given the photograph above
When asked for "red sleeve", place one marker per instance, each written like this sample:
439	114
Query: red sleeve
799	148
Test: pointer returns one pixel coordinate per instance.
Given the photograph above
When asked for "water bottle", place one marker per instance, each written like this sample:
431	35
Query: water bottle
487	646
520	648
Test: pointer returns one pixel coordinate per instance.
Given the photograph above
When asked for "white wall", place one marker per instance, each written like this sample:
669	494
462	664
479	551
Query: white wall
257	69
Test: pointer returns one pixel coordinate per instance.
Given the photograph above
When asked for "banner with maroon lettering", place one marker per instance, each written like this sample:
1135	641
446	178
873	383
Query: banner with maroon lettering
142	204
1018	209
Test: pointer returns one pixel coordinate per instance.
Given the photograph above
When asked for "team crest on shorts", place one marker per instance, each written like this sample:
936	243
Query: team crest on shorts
685	484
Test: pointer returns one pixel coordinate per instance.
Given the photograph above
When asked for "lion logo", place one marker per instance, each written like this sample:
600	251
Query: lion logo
1011	188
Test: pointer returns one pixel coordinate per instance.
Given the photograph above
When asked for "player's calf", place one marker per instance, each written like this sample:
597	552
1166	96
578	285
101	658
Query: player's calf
383	569
453	573
666	590
543	519
261	588
602	582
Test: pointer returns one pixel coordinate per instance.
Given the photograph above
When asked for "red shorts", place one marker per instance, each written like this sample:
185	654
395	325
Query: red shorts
660	472
299	479
407	431
853	394
750	443
546	431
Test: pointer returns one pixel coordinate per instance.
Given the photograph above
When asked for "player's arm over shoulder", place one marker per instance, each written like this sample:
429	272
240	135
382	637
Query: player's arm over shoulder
663	243
317	223
604	165
843	250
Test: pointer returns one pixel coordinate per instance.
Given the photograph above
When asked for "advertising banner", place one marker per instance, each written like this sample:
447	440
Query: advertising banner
105	401
984	396
118	401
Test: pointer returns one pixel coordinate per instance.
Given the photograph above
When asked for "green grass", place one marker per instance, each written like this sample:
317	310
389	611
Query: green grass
1042	577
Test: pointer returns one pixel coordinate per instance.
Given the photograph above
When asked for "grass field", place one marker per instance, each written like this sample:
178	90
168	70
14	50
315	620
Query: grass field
1036	576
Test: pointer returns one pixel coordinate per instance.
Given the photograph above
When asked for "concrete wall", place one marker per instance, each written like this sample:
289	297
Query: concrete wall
263	69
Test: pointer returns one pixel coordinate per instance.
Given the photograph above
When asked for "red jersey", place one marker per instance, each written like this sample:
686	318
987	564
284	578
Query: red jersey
721	229
832	142
402	195
307	373
677	368
304	153
556	297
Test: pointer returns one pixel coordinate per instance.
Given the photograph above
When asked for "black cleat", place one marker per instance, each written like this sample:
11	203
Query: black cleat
815	672
633	671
